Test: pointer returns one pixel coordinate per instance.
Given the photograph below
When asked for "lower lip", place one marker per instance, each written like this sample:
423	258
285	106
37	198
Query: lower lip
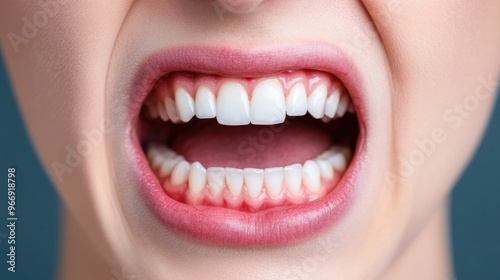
275	226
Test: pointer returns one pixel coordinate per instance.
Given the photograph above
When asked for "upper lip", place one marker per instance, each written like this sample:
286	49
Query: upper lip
272	226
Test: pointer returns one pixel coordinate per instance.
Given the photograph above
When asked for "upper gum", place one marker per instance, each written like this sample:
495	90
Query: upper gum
310	79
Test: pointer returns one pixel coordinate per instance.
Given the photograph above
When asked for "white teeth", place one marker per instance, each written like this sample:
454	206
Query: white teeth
268	103
296	101
180	173
205	103
162	111
185	104
311	176
273	179
331	104
168	165
233	107
156	160
197	178
343	104
338	162
326	154
234	180
171	110
316	102
337	157
215	178
167	153
293	178
325	168
254	181
155	157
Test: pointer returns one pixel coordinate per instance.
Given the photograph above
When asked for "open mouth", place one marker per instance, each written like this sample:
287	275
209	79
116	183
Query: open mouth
261	147
248	143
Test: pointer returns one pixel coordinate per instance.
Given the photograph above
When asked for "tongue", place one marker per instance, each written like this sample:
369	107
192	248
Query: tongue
260	146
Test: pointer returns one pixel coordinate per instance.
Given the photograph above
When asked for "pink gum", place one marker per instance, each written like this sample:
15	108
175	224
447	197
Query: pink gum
309	78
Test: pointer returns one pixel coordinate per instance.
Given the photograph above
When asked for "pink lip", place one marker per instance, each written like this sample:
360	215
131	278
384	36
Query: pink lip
229	227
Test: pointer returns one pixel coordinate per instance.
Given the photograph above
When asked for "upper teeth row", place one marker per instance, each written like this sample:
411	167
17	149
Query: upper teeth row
267	105
271	181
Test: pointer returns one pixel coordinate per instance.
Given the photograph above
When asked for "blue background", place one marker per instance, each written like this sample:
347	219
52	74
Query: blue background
475	204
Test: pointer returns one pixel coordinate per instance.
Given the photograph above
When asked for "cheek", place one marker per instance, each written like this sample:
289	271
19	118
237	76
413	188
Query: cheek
58	74
59	70
439	63
445	73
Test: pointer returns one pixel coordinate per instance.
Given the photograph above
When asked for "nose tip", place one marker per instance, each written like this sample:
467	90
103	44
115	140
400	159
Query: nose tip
240	6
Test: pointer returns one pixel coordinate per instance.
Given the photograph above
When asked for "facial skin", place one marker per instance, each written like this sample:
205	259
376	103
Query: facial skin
425	65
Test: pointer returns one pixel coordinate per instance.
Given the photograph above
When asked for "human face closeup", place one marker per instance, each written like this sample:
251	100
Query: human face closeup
253	139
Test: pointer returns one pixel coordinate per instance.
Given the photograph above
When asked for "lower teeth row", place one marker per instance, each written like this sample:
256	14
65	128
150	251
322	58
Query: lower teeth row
197	183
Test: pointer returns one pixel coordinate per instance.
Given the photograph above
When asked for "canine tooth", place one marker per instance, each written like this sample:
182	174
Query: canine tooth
197	178
338	161
185	104
162	112
332	102
152	110
293	178
273	179
254	181
233	107
325	169
171	110
296	101
311	176
343	103
234	180
168	165
215	178
204	103
316	102
180	173
268	103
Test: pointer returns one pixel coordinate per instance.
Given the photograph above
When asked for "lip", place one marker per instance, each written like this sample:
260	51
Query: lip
275	226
